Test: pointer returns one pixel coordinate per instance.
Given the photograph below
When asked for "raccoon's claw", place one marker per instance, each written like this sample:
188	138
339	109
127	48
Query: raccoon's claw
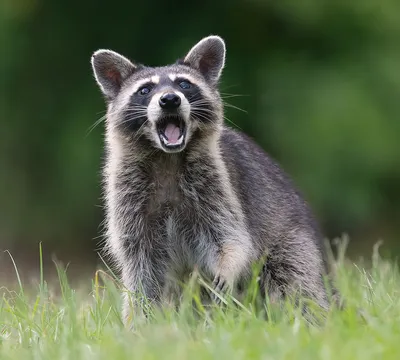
220	286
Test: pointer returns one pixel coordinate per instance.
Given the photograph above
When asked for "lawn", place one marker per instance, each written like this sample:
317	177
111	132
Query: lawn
58	322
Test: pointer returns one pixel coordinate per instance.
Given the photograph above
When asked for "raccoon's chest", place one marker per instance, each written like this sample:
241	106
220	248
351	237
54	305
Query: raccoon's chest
165	192
165	195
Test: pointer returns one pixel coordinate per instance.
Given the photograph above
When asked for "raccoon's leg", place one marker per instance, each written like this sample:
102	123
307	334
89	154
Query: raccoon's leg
295	268
232	261
144	276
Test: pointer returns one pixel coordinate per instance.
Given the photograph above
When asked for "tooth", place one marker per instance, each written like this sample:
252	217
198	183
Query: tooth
164	139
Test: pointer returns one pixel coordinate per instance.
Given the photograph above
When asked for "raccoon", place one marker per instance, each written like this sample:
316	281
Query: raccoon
184	191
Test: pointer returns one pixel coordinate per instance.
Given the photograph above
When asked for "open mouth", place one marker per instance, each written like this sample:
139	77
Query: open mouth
172	131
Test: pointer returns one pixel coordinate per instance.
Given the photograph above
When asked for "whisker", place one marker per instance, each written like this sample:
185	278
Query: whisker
208	111
101	112
129	119
138	110
202	116
225	93
229	87
135	112
130	111
234	107
228	96
230	121
141	107
200	101
138	132
96	123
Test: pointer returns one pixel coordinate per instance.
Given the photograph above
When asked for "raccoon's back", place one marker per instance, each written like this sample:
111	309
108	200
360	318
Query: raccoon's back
272	205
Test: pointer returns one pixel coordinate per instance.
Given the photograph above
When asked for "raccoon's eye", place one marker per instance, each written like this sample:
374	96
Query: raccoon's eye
144	90
184	85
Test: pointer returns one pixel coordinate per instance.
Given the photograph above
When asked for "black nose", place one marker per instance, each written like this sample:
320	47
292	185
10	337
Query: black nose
169	101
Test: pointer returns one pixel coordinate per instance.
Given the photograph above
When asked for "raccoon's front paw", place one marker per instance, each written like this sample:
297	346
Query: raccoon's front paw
221	287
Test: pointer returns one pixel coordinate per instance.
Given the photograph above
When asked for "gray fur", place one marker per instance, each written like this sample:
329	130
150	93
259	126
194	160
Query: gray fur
111	70
208	56
220	204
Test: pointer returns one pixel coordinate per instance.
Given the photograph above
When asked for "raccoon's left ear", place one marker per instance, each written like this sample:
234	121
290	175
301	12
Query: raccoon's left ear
208	56
111	70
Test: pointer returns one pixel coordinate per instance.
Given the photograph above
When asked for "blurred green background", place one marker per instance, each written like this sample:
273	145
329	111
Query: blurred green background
320	81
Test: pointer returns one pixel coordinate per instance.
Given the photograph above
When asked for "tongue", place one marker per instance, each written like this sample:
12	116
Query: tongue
172	133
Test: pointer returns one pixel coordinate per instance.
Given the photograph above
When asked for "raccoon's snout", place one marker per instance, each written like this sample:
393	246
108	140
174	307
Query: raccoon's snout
170	101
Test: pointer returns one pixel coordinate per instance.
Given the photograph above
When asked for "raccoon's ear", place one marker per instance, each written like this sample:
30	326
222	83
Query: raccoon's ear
111	70
208	56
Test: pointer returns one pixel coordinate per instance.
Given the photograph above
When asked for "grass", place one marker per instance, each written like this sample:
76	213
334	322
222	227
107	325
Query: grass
63	323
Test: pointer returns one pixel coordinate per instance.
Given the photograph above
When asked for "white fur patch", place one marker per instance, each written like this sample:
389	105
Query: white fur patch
185	106
137	85
190	78
154	110
155	79
184	76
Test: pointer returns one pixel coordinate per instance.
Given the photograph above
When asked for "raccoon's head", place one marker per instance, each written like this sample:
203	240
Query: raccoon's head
167	107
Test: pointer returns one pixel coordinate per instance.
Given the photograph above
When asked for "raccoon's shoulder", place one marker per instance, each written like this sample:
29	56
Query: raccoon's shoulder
247	159
238	141
239	147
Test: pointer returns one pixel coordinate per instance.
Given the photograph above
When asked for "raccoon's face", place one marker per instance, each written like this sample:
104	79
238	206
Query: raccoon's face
166	106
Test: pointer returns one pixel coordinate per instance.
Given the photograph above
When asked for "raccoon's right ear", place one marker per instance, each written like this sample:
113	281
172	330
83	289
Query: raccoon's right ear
111	70
208	56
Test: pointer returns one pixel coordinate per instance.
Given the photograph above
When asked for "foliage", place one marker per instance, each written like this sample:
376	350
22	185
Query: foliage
61	323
